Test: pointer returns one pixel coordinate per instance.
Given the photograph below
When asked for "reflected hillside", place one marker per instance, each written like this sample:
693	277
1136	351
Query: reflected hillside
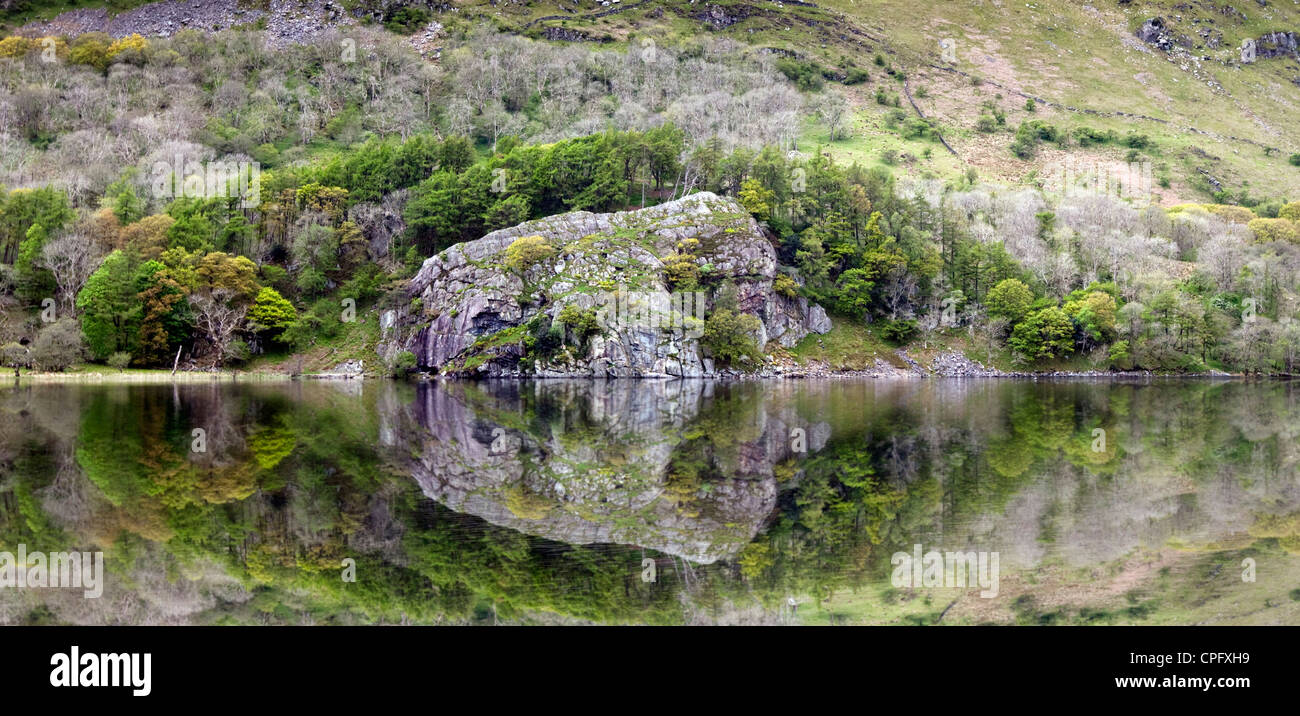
655	501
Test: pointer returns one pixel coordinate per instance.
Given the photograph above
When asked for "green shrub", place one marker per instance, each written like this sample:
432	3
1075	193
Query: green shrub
58	346
1024	146
1009	299
1044	334
1134	140
786	286
856	76
1119	355
729	336
807	76
526	251
402	364
918	128
898	331
272	314
119	360
406	20
1087	136
1030	133
581	323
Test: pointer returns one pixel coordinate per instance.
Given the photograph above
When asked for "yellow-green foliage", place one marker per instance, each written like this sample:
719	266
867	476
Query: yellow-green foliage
756	559
527	251
1290	211
133	45
681	271
1229	212
757	199
1226	212
527	505
16	46
90	49
729	336
98	50
1096	312
786	286
582	322
1284	528
1269	230
271	444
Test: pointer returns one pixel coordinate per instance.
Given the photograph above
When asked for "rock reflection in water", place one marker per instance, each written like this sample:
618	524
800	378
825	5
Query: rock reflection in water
682	467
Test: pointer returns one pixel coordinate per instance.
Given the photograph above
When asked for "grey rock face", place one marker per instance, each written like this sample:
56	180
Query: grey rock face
1154	32
473	312
287	21
348	369
1277	44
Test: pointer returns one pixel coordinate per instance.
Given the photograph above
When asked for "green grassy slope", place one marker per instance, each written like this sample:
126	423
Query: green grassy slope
1208	113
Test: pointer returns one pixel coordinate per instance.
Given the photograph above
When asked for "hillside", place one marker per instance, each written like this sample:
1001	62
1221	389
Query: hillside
1219	123
1040	186
1215	118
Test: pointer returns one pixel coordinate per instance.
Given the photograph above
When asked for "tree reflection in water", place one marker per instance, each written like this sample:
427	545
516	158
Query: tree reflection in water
557	501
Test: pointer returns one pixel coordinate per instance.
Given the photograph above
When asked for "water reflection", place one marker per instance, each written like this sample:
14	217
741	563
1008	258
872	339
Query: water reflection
654	502
668	466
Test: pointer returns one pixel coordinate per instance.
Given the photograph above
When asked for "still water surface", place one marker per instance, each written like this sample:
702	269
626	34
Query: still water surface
1169	501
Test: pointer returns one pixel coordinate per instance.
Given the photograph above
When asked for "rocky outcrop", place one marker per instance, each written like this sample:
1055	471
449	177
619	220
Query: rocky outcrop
955	364
564	34
159	19
639	471
1157	33
473	314
1153	32
717	17
1277	44
287	21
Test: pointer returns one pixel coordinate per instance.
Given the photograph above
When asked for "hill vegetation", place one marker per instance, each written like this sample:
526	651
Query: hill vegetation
981	176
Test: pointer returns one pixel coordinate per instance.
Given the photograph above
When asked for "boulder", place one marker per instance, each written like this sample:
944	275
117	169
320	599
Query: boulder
471	314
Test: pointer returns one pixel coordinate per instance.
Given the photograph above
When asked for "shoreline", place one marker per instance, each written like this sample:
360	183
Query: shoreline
166	377
228	377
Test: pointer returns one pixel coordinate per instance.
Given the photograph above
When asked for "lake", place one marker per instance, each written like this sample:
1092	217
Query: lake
846	501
